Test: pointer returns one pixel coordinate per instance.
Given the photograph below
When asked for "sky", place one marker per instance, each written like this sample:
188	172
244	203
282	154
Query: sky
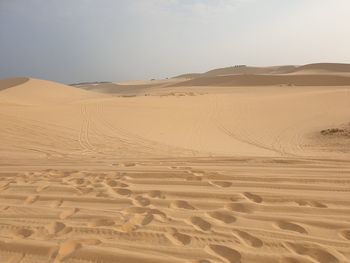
73	41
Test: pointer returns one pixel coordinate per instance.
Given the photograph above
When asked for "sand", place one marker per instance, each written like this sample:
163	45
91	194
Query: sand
177	170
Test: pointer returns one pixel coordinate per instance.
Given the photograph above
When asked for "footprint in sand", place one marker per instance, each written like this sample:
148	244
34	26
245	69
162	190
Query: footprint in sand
253	197
199	223
41	188
68	213
143	219
23	232
114	183
4	186
248	239
236	198
315	204
155	194
67	249
318	254
129	164
178	238
101	222
31	199
58	228
222	184
141	201
4	208
239	207
228	255
84	190
137	221
94	185
56	203
293	260
136	210
345	234
194	178
78	181
180	204
123	191
16	258
285	225
222	216
197	172
157	214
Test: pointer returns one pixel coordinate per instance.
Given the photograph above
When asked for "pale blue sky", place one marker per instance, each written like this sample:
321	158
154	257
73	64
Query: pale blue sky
96	40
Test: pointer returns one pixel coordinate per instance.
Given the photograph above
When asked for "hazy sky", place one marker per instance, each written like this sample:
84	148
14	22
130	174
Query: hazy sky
88	40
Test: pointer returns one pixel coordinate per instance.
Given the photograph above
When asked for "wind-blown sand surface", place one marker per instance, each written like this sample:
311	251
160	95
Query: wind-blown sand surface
178	170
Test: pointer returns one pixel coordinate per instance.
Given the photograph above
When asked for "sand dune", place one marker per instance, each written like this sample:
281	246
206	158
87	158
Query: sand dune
129	88
316	68
318	74
168	171
330	67
268	80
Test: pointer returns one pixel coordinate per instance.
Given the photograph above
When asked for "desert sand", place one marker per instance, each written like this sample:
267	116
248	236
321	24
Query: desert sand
241	164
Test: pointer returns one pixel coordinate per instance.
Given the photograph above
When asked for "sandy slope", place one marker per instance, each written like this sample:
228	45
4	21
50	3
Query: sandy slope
34	91
174	174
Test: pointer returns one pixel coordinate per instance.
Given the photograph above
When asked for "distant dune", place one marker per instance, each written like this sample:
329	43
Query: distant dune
268	80
330	67
236	165
322	74
316	68
129	88
319	74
